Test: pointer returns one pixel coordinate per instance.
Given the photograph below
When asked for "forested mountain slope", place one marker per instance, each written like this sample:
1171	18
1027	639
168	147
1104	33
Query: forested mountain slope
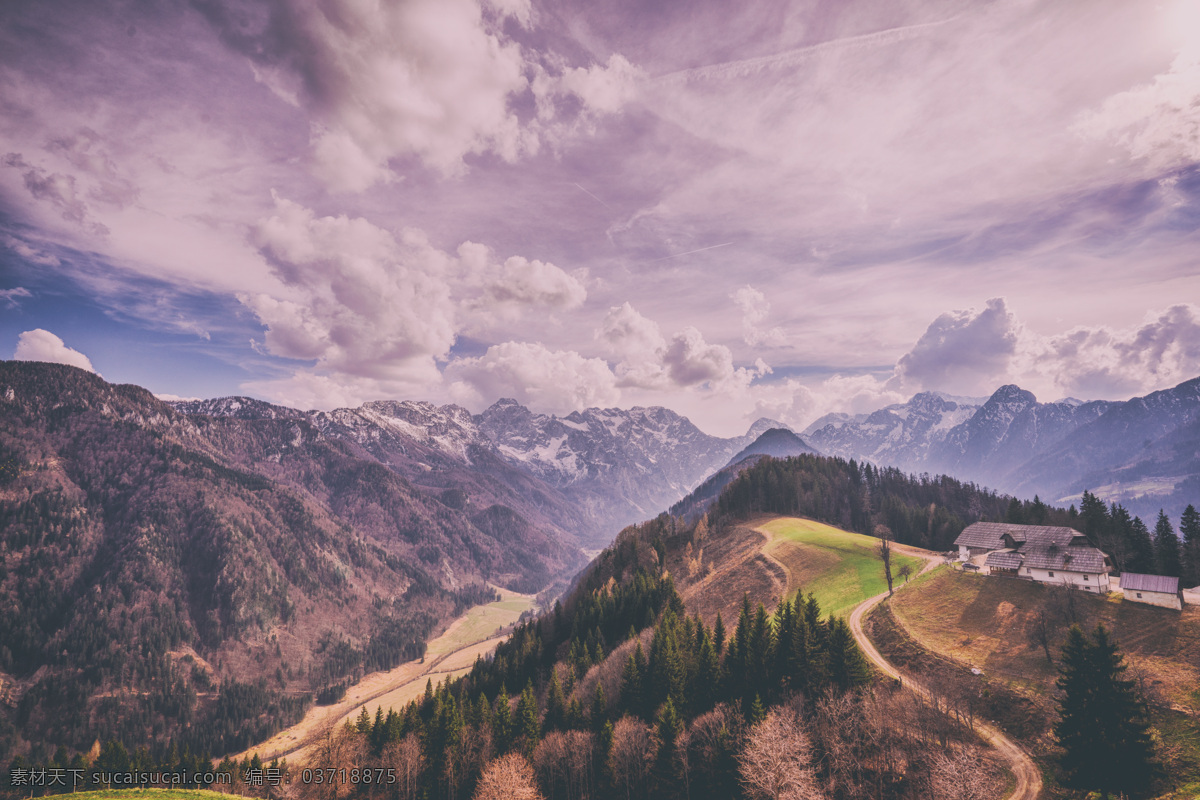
165	576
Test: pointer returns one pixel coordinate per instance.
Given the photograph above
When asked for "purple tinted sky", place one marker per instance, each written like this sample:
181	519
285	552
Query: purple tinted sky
735	210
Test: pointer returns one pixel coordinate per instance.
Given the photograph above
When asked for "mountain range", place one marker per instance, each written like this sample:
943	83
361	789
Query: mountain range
1143	452
585	475
192	571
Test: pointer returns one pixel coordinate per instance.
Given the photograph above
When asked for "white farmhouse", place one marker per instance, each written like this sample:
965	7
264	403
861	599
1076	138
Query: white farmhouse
1157	590
1038	553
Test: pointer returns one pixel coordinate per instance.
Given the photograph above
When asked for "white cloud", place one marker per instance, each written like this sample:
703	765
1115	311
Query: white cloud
637	345
964	352
58	190
1105	363
386	80
968	352
555	381
1158	121
42	345
359	300
601	88
690	360
755	310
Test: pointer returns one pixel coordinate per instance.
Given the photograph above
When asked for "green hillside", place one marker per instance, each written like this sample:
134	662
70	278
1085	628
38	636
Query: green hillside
840	568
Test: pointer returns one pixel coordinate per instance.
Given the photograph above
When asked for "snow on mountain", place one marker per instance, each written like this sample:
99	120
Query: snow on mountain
587	474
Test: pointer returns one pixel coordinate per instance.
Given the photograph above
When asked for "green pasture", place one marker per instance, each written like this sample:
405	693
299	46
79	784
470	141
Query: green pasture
842	569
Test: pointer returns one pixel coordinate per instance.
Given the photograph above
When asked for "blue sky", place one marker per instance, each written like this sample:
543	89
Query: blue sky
774	208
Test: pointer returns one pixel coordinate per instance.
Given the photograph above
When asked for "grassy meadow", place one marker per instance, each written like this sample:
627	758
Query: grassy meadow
842	569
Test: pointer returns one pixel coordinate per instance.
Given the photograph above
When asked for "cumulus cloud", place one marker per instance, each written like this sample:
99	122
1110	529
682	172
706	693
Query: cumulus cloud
964	352
508	287
600	88
556	381
637	345
362	301
42	345
1101	362
427	78
690	360
969	352
755	310
647	360
526	282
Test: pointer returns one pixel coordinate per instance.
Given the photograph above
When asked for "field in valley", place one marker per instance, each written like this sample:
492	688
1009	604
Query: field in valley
473	634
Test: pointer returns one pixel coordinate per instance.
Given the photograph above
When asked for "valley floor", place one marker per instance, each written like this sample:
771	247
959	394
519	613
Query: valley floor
450	655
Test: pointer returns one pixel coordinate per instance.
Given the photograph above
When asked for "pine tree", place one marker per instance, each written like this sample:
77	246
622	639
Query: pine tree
719	633
599	705
502	721
1102	728
528	724
556	703
1189	527
1166	547
847	665
631	685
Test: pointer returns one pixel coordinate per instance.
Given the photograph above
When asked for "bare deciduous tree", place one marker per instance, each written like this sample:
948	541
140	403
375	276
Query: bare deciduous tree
633	747
341	748
776	763
406	759
508	778
885	552
963	773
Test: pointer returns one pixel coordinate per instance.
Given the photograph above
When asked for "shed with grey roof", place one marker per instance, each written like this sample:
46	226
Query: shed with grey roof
1155	590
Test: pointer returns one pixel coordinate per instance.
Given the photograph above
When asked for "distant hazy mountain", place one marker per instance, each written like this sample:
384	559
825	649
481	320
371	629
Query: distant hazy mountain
1142	452
776	442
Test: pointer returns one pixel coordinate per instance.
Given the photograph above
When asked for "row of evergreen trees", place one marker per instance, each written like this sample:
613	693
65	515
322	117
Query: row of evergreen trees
930	512
921	510
1135	548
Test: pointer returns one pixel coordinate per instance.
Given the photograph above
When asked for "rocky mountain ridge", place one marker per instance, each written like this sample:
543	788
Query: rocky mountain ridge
1143	452
587	474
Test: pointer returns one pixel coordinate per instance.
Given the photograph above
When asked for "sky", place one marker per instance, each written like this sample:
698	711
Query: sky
766	208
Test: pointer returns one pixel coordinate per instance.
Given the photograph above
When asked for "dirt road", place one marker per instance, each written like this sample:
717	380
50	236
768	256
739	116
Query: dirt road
1029	780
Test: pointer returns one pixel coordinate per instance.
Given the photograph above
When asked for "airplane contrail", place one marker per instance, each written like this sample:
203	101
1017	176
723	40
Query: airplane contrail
597	199
790	56
689	252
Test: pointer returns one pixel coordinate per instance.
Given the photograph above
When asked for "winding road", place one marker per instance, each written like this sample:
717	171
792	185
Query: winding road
1029	779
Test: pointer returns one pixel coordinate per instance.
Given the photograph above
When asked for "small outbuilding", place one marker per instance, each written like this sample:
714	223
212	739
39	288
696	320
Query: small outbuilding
1155	590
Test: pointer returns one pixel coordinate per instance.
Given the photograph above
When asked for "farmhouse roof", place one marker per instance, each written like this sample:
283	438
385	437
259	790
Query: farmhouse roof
1004	559
991	535
1149	583
1067	559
